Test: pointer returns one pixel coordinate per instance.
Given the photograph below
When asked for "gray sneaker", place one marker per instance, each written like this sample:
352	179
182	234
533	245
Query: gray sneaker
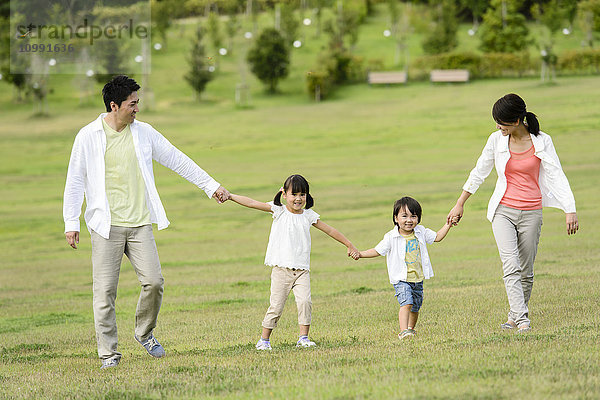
110	363
152	346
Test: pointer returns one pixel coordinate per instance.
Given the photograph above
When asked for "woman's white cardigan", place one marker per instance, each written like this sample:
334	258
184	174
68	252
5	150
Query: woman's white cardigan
553	182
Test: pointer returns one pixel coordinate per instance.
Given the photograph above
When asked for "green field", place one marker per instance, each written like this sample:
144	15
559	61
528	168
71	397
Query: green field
360	151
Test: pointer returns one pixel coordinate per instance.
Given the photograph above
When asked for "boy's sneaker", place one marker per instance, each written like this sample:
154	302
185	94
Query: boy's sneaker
263	345
407	333
110	363
152	346
304	341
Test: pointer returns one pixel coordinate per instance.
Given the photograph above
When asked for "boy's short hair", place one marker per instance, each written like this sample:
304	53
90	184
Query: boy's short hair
410	204
118	90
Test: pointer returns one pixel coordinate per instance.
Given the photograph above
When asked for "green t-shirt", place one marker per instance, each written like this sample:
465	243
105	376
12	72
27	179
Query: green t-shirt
125	186
414	268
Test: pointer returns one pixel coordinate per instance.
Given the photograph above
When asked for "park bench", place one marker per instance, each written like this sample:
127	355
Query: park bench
377	78
449	75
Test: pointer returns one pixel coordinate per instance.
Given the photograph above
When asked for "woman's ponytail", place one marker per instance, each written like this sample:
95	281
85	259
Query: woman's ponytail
511	108
532	123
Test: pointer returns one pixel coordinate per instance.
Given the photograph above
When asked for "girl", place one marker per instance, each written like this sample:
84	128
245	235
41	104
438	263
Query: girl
288	252
407	259
529	176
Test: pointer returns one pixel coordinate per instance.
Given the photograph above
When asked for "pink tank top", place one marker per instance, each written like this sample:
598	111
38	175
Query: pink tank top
522	179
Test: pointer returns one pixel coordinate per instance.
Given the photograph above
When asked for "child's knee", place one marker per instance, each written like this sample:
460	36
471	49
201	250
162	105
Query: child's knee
304	311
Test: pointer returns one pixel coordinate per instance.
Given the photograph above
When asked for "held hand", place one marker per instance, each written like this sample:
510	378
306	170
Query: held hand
455	215
72	238
353	252
572	223
221	195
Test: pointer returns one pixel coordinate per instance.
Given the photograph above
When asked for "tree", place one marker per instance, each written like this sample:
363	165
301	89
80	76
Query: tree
477	8
111	54
503	28
343	27
570	10
319	5
289	23
161	18
199	74
17	80
269	58
232	27
214	30
588	12
401	28
442	38
552	16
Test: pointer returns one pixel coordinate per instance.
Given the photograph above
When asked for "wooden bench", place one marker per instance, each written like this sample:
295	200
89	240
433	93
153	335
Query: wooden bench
449	75
377	78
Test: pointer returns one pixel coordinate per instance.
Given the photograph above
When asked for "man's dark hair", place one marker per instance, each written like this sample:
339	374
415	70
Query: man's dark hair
118	90
410	204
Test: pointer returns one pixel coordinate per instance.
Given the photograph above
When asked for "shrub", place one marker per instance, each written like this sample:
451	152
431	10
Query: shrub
342	66
582	61
337	66
466	60
320	79
489	65
497	65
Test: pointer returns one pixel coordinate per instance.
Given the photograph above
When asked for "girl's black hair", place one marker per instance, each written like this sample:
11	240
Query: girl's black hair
118	90
410	204
511	108
298	184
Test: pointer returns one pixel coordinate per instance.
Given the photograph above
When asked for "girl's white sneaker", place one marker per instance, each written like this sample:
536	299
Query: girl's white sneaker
305	342
263	345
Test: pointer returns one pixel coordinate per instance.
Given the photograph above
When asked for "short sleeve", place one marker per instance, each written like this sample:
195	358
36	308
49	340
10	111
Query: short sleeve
277	210
312	216
384	246
430	236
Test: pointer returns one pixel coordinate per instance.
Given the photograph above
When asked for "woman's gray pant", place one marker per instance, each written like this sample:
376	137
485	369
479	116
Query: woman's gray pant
517	235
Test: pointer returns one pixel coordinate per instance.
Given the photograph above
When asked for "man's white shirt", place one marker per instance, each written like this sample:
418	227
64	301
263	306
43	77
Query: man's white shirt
86	175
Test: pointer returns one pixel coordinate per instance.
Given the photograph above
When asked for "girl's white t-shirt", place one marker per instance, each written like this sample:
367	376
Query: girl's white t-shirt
289	241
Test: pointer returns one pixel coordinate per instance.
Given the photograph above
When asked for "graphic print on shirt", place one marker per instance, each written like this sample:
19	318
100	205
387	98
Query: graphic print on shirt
413	260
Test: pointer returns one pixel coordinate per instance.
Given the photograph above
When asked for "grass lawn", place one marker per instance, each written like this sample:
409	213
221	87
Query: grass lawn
360	151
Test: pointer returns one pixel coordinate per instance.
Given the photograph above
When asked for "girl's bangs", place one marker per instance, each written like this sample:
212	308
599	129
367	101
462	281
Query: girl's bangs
299	185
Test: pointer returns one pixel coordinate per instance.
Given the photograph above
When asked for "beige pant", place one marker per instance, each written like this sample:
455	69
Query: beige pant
284	280
517	235
139	246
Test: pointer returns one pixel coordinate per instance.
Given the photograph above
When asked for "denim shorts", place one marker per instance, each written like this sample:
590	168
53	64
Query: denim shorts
409	293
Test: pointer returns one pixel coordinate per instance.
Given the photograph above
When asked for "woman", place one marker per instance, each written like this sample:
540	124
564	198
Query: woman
529	176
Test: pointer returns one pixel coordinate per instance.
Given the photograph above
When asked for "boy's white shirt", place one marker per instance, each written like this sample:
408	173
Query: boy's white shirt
86	175
553	182
393	246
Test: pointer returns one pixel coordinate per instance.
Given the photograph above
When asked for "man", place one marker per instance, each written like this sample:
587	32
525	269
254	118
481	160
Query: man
111	164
